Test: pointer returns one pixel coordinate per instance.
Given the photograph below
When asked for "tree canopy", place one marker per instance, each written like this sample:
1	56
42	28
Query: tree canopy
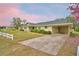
16	22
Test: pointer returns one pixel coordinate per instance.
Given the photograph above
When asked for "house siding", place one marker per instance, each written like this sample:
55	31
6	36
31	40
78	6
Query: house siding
57	28
49	28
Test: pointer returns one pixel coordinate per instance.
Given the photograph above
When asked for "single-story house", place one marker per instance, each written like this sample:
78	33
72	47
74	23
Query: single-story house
56	26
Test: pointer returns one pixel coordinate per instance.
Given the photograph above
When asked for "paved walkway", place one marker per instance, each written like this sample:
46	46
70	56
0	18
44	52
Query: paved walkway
49	43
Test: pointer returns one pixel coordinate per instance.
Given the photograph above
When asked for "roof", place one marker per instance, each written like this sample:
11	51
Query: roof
53	23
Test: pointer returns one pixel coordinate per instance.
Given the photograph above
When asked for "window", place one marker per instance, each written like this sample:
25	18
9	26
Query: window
45	26
33	27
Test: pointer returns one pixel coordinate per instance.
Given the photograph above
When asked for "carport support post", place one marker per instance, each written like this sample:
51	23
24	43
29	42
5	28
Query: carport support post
69	29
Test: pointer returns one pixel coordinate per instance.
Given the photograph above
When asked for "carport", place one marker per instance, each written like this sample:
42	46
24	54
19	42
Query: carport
62	28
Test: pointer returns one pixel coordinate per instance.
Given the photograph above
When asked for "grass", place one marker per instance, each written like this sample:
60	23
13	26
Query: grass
9	47
76	32
21	35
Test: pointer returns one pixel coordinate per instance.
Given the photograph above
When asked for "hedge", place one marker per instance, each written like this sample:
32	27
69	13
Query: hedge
74	34
77	29
41	31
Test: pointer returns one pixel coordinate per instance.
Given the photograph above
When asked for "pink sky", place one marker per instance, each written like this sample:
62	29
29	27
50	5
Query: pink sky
8	11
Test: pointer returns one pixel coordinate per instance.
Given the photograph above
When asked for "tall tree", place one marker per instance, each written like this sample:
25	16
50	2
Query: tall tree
16	22
70	19
74	10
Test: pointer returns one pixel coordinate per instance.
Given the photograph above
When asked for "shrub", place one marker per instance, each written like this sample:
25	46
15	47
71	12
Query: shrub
49	32
73	34
21	30
13	29
77	29
41	31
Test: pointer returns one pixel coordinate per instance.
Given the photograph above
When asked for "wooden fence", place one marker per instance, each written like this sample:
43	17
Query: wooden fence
10	36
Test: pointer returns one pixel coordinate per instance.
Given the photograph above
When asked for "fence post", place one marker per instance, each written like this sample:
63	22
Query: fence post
77	50
12	37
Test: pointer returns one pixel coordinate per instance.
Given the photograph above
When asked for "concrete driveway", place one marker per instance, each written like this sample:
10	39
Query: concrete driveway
49	43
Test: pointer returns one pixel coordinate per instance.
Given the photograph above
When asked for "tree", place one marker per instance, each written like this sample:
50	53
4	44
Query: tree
70	19
74	10
16	22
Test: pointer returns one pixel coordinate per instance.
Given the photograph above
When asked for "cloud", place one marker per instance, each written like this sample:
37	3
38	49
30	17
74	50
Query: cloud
7	11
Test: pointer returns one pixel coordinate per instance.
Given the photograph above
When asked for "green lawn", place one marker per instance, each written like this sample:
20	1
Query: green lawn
12	47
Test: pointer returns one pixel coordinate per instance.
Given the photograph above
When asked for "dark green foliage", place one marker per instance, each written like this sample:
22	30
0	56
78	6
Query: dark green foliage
3	27
21	30
77	29
13	29
49	32
72	34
